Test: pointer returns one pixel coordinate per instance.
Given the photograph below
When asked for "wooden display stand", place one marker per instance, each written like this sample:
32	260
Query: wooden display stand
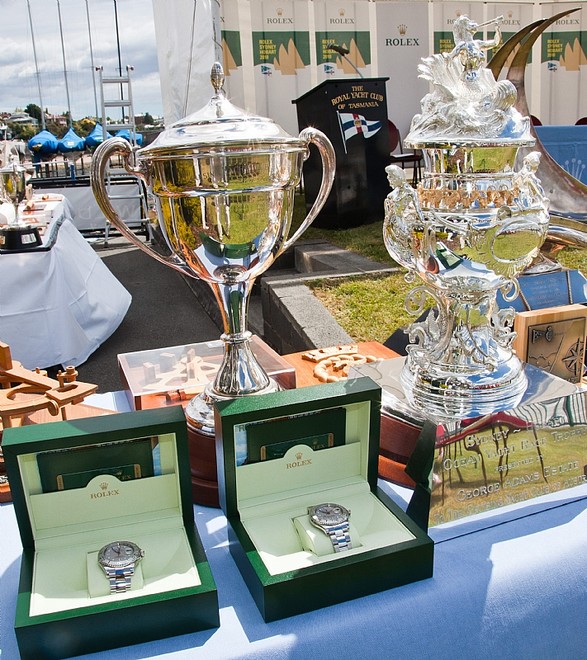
202	449
31	397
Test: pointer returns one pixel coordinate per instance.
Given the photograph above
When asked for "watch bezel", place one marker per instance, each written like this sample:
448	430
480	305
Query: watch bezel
321	519
124	562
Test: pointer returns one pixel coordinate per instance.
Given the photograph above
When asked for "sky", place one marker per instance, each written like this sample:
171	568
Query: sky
19	82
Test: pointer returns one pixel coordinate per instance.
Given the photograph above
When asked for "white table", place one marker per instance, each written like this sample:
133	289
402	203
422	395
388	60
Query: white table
514	591
57	306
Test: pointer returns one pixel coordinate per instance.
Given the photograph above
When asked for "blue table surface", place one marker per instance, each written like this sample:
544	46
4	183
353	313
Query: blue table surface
516	589
568	146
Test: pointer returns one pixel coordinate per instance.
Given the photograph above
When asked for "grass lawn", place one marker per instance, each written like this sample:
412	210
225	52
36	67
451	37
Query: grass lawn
372	307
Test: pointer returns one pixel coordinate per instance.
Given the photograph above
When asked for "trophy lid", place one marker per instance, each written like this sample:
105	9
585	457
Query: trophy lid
466	105
219	123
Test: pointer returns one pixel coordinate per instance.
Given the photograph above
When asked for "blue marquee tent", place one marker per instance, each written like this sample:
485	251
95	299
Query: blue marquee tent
43	144
71	141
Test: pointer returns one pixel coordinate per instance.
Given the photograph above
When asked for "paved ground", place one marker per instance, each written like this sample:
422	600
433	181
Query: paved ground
164	312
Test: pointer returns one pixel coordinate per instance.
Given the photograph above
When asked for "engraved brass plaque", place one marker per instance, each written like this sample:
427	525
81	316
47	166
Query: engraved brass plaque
510	457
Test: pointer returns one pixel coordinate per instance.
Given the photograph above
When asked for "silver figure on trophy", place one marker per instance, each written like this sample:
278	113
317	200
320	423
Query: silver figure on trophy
471	227
224	184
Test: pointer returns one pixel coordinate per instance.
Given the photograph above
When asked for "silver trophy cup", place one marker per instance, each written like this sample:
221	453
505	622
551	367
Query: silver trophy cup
224	183
13	187
17	235
468	230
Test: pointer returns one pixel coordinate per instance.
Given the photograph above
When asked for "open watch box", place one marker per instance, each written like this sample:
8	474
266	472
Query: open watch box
283	454
111	555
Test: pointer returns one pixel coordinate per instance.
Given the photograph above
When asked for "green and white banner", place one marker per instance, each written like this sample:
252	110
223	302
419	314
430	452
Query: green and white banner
563	67
274	52
402	39
281	58
344	25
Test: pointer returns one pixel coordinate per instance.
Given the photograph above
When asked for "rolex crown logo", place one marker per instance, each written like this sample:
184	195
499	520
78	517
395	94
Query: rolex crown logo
299	455
510	13
402	29
104	485
341	12
279	11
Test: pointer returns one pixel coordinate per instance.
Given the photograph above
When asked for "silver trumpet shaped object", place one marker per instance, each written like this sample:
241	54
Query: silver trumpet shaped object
224	183
470	228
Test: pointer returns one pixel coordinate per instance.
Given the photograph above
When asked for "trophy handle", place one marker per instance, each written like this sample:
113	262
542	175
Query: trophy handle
120	146
326	150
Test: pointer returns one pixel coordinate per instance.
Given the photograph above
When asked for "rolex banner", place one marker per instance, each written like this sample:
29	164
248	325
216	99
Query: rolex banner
281	58
232	57
402	40
343	41
274	52
563	66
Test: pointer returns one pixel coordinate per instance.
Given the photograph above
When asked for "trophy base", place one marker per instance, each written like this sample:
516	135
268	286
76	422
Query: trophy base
463	468
455	395
19	238
202	445
200	410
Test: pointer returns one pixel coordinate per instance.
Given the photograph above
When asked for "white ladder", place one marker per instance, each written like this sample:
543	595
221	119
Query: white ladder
129	187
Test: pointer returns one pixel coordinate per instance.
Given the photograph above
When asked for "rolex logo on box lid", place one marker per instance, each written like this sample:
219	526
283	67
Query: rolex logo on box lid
299	462
105	490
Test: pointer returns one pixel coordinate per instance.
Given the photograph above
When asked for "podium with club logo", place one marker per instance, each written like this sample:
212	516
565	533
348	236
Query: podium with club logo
353	114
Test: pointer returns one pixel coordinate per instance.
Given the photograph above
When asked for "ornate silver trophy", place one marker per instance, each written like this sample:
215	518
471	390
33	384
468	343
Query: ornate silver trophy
13	180
17	235
469	229
224	184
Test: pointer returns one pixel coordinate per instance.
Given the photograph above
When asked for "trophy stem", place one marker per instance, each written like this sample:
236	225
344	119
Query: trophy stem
240	373
463	365
16	221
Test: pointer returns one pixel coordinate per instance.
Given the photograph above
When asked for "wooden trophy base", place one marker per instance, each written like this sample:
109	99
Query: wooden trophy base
202	451
397	442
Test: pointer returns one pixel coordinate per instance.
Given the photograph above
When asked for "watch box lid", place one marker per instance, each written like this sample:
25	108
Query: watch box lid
34	454
64	607
312	414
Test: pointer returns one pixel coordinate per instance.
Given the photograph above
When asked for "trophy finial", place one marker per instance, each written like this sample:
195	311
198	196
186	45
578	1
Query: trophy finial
217	77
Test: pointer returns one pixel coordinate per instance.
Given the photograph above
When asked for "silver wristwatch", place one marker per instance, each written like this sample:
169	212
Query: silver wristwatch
333	519
118	560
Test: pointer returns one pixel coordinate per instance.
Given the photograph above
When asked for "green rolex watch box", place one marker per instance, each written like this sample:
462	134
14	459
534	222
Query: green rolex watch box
81	485
280	454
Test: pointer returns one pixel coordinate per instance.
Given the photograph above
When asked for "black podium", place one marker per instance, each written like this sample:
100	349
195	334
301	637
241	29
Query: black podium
353	114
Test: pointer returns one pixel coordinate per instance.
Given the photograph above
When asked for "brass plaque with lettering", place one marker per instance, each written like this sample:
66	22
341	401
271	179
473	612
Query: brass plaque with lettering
510	457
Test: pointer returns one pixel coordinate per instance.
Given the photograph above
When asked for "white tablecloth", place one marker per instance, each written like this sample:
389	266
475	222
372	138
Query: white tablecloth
58	306
514	591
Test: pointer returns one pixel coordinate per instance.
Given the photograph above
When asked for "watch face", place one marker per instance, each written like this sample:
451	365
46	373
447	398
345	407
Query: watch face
329	514
120	554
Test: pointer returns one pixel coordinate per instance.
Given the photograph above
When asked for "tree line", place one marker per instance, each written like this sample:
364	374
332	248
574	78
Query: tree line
82	127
